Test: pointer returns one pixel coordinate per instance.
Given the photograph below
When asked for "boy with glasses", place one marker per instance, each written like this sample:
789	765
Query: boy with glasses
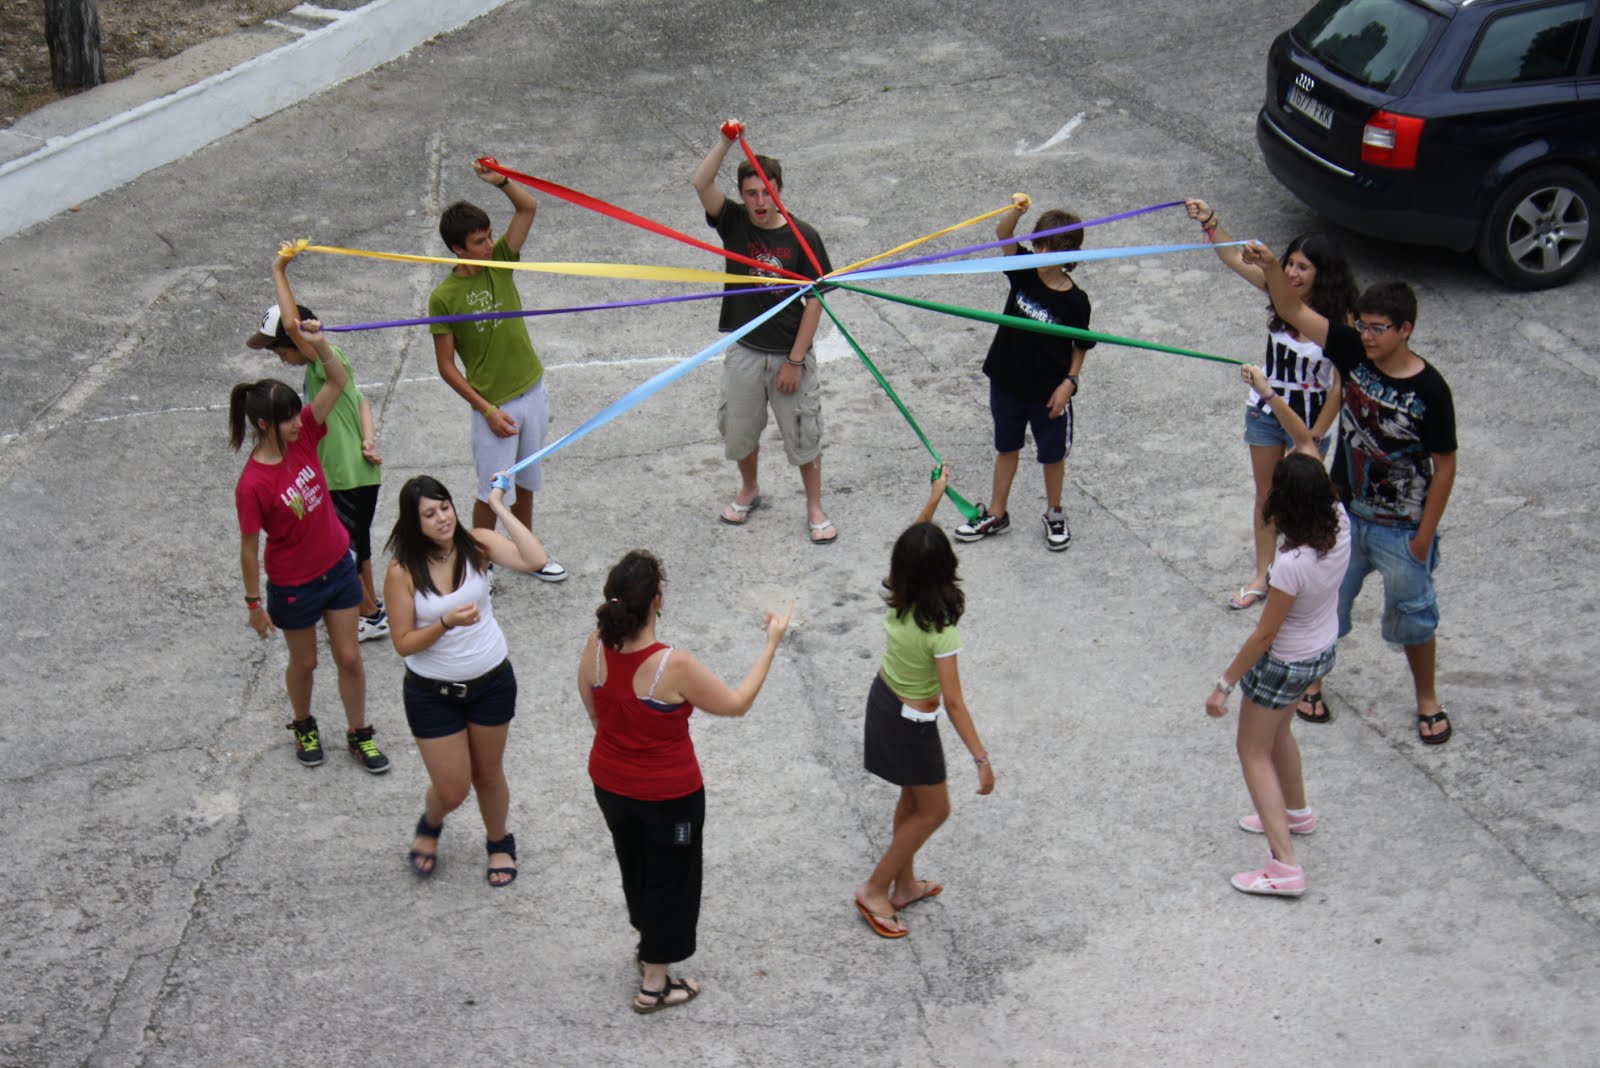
1395	466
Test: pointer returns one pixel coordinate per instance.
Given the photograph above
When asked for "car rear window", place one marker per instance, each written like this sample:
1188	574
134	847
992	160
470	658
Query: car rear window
1373	42
1528	46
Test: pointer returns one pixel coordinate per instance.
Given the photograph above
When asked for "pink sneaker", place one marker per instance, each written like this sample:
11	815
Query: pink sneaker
1297	824
1277	878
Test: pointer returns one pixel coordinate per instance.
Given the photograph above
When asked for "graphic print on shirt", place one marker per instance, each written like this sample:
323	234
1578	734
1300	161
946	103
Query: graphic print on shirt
1300	375
1389	468
1031	308
305	496
772	257
480	301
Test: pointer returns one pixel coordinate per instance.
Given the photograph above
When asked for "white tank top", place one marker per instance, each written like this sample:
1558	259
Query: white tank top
461	653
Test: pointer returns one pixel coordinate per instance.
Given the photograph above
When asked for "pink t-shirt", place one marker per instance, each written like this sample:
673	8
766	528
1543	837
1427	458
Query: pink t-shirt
289	500
1313	581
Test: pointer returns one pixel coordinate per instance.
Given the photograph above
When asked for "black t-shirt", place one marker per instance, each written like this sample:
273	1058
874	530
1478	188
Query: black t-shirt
777	247
1390	429
1030	365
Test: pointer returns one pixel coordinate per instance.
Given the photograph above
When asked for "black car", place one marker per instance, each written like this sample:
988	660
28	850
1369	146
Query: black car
1469	124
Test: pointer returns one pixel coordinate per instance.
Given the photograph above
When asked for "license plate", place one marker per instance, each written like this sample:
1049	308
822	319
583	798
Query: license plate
1319	113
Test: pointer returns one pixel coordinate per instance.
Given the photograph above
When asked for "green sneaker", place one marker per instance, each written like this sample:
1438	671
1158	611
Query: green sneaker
365	750
307	746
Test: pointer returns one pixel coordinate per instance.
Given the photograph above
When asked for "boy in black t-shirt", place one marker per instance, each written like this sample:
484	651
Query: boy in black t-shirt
772	366
1033	377
1395	466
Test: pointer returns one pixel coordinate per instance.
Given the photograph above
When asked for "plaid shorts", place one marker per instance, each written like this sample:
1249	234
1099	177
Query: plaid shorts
1271	683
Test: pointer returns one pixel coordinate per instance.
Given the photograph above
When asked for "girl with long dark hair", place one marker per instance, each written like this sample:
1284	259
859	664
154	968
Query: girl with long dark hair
311	573
1296	370
1291	648
639	694
917	679
460	692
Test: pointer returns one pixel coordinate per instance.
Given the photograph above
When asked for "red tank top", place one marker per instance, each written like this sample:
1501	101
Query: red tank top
641	749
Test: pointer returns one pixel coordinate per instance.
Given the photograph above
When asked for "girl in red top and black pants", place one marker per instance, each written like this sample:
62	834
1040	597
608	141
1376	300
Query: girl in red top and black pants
639	694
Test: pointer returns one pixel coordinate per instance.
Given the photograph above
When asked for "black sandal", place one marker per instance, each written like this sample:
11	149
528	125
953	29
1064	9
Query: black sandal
419	857
659	997
1433	721
1314	716
507	845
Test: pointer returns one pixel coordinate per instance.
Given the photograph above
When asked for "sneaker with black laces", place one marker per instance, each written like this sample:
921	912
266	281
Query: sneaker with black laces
365	750
307	745
1057	536
983	526
373	627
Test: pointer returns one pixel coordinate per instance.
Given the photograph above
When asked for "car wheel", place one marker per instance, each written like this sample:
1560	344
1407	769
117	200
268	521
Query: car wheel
1540	232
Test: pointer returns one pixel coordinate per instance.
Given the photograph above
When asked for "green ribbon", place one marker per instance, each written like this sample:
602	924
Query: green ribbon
966	507
1028	324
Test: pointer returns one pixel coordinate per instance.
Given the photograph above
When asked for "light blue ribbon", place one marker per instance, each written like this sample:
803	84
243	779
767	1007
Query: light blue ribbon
648	388
1032	259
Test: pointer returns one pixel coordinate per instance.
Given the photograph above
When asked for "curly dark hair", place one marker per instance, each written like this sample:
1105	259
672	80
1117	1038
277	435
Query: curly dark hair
1333	290
412	549
1301	503
630	588
922	578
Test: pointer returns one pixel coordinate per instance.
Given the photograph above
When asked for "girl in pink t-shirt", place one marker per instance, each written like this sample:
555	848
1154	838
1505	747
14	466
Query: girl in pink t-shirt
1291	648
310	573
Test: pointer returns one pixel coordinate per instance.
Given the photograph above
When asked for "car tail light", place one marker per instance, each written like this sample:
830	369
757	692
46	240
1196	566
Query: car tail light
1390	140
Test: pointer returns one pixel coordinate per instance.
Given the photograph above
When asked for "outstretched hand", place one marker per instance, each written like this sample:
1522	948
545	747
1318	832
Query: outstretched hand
777	624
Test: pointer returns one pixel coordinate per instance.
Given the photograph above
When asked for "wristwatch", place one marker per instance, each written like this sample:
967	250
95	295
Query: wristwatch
1076	385
1225	687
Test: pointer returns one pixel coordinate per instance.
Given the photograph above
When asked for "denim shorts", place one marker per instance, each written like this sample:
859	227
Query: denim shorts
299	607
1262	428
1052	438
1410	605
430	714
1274	684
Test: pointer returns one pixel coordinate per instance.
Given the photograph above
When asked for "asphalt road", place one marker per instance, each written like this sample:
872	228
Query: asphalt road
179	892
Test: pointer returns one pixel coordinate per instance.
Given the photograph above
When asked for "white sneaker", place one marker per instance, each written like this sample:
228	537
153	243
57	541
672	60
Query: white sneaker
552	571
371	628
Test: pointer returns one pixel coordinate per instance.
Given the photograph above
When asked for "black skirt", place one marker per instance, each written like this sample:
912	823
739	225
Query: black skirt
903	751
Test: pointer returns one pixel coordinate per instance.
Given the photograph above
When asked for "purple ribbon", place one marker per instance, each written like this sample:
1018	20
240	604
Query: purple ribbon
1118	217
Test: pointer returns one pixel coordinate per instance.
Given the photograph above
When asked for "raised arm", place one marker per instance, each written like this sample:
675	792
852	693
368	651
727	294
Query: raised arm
522	550
523	203
288	310
1211	226
697	684
1307	321
941	480
704	178
1304	440
311	333
1006	225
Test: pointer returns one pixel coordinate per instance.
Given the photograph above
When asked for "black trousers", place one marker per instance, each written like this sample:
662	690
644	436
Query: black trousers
658	849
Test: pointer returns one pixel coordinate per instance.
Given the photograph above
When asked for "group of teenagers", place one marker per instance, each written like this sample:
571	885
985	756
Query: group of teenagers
310	486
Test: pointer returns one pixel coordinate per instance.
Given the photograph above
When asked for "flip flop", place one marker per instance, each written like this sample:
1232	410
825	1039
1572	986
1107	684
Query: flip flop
742	511
1316	702
1433	721
876	922
1247	598
818	528
934	890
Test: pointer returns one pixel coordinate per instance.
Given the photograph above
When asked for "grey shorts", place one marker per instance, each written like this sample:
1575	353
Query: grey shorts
492	454
750	387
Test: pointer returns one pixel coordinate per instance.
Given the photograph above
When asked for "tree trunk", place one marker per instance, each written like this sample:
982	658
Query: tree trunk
72	31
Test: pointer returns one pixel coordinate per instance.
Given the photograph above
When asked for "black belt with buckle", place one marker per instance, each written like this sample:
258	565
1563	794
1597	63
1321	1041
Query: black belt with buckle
459	691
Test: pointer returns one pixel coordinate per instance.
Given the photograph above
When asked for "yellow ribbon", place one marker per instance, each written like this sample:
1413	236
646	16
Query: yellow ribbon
591	270
922	240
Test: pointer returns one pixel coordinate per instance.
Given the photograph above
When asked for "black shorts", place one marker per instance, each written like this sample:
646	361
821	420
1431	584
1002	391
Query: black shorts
903	751
489	701
355	509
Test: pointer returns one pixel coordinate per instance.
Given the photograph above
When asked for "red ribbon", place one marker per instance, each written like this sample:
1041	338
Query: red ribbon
798	236
584	200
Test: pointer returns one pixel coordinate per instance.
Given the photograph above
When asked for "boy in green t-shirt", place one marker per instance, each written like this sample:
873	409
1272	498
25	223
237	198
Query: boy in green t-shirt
349	453
500	374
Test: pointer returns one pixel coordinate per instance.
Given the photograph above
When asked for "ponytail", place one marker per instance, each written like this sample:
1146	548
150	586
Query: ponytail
250	402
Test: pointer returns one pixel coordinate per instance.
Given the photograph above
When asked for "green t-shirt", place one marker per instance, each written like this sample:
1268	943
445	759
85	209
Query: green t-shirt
498	357
340	451
909	654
